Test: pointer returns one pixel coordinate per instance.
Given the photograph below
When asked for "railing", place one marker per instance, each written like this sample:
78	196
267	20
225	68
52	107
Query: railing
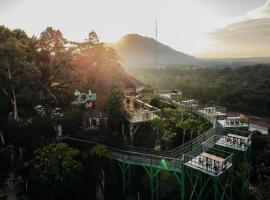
234	123
208	163
191	145
142	158
169	160
142	116
231	141
141	112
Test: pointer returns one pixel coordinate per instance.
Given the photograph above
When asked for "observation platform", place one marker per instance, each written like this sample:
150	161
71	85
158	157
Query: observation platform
234	122
138	111
213	161
235	141
214	111
170	94
192	103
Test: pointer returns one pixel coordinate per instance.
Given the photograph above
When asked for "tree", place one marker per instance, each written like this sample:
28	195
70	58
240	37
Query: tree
56	168
14	61
96	174
158	124
193	125
115	108
12	189
97	66
100	151
53	67
184	125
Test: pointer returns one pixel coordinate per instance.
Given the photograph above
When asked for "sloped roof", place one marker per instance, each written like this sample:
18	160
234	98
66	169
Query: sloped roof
131	82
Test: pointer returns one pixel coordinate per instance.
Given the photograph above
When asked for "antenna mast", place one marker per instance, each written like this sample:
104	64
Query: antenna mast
156	46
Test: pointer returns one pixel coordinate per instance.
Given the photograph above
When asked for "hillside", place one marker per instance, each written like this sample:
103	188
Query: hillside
138	51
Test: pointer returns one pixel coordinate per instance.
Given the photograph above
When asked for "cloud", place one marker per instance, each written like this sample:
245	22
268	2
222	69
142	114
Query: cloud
261	12
249	36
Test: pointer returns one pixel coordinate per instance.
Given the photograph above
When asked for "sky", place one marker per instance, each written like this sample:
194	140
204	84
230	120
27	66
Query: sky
203	28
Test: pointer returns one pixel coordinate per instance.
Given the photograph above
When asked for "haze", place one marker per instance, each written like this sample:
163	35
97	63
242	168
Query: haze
208	28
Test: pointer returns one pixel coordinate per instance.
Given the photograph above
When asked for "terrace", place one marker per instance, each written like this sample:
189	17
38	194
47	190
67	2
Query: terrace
237	140
192	103
212	161
234	121
138	111
215	111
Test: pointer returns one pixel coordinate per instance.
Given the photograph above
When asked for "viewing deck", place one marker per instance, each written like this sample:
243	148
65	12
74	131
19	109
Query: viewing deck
237	142
170	94
138	111
212	161
234	122
215	111
192	103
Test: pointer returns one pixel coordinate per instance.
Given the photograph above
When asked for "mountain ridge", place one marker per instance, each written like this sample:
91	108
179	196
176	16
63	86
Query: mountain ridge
139	51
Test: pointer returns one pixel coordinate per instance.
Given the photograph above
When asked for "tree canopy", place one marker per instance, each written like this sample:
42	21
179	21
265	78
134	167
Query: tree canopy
56	167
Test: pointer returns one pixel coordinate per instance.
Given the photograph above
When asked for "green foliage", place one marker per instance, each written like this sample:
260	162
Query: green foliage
12	189
175	127
97	66
155	101
15	66
158	124
56	167
115	108
260	176
100	151
47	69
53	65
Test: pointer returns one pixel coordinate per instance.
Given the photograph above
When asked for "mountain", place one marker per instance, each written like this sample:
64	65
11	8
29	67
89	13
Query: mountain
139	51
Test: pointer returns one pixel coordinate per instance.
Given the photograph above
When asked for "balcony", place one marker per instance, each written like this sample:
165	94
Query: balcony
214	111
235	140
138	111
213	161
234	121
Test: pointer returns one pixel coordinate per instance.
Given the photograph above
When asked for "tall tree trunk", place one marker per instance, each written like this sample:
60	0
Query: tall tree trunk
184	133
2	137
158	138
13	97
191	134
14	102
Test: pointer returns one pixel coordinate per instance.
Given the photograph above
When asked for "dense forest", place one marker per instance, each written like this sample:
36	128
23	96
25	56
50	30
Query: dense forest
243	89
47	69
